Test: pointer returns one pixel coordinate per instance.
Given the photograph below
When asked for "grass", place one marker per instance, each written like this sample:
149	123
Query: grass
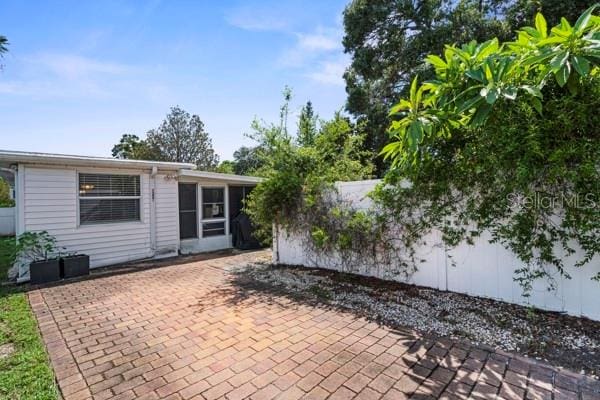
26	372
7	245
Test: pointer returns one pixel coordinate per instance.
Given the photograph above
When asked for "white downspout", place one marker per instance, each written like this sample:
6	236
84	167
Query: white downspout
153	210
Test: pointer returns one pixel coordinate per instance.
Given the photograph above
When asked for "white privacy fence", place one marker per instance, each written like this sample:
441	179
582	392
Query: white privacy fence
7	221
482	269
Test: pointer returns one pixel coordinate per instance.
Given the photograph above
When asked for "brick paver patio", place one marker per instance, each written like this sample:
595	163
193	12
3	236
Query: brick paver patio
184	332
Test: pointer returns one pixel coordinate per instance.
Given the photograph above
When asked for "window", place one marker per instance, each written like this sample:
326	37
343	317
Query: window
213	203
213	229
213	212
108	198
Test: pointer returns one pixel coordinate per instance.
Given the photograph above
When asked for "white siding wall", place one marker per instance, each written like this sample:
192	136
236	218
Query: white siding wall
50	203
482	269
167	225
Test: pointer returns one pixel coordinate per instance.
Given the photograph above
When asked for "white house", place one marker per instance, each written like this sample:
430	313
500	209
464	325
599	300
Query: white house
122	210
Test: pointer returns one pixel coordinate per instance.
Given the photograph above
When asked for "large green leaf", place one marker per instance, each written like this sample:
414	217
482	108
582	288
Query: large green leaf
584	19
532	90
540	25
562	75
491	96
481	114
537	58
537	104
436	61
581	65
559	60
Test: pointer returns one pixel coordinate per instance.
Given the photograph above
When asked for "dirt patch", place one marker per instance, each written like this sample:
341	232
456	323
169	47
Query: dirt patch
561	340
6	350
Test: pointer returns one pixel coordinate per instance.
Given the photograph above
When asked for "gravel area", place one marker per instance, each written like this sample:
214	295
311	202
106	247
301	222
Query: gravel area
561	340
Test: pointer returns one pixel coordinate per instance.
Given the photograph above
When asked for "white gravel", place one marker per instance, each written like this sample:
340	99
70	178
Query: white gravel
481	321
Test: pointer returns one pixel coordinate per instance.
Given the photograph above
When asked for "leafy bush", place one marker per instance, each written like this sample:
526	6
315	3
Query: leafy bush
297	175
5	199
505	139
37	246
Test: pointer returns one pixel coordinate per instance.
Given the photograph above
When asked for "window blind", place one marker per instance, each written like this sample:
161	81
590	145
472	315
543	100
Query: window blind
107	198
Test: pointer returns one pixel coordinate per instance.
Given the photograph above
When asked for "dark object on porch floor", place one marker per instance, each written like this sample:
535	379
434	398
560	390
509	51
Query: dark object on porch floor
241	231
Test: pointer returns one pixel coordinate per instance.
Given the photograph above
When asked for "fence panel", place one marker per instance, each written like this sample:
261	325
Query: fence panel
482	269
7	221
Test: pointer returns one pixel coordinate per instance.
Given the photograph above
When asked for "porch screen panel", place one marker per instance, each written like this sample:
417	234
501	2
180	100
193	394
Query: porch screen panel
188	211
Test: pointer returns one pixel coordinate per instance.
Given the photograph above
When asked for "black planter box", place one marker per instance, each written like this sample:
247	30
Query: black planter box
73	266
44	271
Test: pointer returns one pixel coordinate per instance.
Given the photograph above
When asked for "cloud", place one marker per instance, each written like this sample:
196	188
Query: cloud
318	55
330	72
314	52
71	66
61	75
318	42
253	18
308	47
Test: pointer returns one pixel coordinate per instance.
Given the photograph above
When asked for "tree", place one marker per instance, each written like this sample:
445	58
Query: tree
3	47
5	199
133	148
181	138
246	160
388	41
294	173
307	125
226	167
505	140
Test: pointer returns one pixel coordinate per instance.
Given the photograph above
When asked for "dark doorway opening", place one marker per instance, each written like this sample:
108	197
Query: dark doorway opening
188	211
239	223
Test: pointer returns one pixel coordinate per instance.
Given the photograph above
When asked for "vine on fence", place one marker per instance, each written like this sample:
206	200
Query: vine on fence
501	126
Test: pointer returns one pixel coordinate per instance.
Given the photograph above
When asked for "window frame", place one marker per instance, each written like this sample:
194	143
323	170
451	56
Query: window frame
223	219
139	199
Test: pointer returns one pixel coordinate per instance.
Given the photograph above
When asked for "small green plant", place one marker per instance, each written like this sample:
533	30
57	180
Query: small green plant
319	237
37	246
320	292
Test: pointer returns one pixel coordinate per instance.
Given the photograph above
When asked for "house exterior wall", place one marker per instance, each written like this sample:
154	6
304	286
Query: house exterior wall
167	218
48	200
50	203
482	269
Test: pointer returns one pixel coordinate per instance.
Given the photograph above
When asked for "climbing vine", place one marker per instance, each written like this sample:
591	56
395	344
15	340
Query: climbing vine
504	140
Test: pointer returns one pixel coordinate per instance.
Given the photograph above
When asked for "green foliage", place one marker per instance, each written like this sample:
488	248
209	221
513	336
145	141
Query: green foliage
26	373
226	167
295	175
388	41
307	125
37	246
131	147
247	160
504	139
7	255
5	199
3	45
180	138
